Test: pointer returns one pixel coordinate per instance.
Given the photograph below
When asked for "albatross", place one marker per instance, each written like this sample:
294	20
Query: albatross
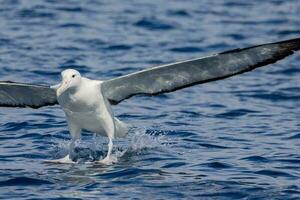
88	103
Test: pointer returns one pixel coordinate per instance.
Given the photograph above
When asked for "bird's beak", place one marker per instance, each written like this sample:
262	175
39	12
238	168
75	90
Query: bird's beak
55	87
61	88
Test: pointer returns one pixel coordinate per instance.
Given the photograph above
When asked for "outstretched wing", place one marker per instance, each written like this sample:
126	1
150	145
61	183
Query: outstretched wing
25	95
171	77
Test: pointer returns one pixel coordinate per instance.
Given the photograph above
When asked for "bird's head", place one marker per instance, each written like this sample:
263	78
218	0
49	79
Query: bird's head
71	79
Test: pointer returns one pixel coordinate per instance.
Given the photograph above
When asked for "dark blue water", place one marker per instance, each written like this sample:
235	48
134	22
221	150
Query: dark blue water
233	139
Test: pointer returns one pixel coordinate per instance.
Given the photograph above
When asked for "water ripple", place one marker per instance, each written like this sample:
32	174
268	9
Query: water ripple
24	181
153	24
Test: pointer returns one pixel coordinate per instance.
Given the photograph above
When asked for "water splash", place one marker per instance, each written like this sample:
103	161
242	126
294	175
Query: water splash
142	139
138	141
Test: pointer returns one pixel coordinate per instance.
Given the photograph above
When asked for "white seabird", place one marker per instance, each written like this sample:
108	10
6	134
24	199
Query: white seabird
87	103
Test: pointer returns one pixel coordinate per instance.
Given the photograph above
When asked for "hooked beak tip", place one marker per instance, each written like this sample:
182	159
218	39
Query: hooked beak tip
55	86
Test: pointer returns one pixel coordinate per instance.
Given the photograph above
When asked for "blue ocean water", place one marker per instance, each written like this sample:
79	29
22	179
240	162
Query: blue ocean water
232	139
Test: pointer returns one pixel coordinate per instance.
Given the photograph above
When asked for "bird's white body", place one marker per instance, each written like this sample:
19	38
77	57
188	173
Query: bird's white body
90	113
86	109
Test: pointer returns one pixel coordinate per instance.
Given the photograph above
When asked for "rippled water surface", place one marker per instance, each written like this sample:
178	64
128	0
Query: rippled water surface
232	139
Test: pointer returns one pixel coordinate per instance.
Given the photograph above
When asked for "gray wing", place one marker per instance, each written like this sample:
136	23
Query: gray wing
25	95
171	77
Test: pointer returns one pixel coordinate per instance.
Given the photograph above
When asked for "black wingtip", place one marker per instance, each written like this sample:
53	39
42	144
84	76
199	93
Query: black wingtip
286	48
293	44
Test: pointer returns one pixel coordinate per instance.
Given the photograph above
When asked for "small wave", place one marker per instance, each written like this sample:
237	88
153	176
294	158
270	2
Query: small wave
68	48
274	96
217	165
174	165
289	71
256	159
295	136
153	24
72	62
129	173
287	160
235	113
71	9
71	25
231	194
120	47
235	36
237	4
14	126
33	13
23	181
288	32
5	42
212	146
179	13
273	173
188	49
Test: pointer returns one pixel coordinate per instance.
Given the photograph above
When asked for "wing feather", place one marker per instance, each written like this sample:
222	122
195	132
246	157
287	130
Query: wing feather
25	95
175	76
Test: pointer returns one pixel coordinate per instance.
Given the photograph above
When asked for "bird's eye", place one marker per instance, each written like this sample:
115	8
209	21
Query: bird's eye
73	76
